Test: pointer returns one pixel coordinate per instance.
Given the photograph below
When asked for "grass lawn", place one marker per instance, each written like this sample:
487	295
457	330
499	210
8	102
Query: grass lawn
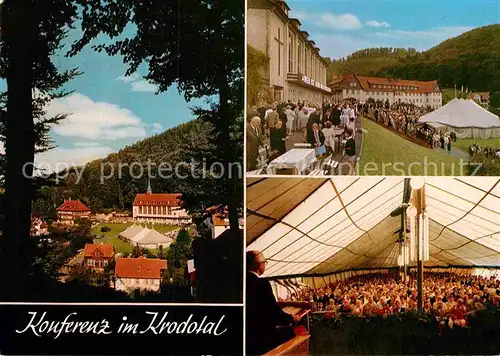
111	237
385	153
464	143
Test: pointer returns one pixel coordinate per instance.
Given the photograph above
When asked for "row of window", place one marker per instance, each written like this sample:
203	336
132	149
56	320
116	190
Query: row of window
130	282
98	264
301	58
395	87
156	210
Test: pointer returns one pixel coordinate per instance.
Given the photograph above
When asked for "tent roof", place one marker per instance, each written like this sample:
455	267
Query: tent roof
462	113
321	226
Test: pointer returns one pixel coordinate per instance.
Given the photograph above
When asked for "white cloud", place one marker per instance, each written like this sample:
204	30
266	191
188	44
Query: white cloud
339	22
131	78
375	23
60	158
95	120
157	127
86	144
436	33
330	20
300	15
144	85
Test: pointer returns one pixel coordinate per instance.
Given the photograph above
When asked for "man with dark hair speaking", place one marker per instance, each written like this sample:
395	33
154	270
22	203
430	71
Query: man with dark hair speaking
267	325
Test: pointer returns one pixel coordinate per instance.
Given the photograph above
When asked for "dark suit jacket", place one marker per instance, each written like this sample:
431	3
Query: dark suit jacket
311	140
253	144
263	315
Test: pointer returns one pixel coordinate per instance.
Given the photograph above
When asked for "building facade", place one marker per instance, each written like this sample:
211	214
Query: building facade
98	256
139	273
39	227
160	208
482	99
71	210
220	223
297	72
361	88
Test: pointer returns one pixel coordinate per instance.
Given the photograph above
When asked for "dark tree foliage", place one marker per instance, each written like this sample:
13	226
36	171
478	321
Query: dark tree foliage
470	59
178	254
196	45
31	34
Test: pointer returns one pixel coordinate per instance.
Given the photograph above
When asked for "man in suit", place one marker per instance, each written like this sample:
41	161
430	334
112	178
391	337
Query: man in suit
267	325
254	142
316	137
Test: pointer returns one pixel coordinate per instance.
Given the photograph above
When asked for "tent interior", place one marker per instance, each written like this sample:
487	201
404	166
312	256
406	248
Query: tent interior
464	117
341	226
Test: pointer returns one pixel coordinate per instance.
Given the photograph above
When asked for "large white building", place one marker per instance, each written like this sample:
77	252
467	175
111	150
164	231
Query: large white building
296	69
160	208
362	88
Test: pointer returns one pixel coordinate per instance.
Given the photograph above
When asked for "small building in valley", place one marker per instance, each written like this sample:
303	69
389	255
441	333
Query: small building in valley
71	210
98	256
39	227
139	273
482	98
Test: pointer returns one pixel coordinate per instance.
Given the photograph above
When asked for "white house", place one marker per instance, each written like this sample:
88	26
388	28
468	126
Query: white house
138	273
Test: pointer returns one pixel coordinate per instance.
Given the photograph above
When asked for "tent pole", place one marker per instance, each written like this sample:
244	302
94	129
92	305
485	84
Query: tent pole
419	204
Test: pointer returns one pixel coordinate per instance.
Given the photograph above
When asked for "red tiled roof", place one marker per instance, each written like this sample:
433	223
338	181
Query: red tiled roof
107	250
73	205
158	199
145	268
366	82
483	95
220	220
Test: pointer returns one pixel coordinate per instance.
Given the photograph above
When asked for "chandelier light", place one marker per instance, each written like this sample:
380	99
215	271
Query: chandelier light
417	183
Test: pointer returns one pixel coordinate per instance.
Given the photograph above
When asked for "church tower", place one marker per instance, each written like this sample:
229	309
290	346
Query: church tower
149	186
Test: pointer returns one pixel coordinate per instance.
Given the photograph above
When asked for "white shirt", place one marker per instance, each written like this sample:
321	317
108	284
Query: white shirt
329	134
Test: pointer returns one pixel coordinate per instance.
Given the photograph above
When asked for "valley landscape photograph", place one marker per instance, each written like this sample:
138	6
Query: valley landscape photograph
391	88
121	156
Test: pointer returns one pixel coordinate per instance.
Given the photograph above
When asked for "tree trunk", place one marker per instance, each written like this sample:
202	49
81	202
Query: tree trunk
230	175
18	31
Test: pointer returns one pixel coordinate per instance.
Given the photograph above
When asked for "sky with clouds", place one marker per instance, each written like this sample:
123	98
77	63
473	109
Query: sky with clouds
340	27
108	110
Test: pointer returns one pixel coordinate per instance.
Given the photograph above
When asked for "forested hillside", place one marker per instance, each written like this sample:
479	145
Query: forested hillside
471	59
175	153
367	61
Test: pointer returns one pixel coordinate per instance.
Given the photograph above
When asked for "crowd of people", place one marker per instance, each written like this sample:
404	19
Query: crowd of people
488	152
319	125
403	118
447	296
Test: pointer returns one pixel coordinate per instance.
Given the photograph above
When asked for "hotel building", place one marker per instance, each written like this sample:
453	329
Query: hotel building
296	69
159	208
361	88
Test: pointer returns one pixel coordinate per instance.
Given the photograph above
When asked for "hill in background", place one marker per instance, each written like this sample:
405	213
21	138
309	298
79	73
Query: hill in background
470	60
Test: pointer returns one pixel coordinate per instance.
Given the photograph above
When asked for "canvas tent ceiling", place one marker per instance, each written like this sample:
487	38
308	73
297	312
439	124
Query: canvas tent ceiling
345	223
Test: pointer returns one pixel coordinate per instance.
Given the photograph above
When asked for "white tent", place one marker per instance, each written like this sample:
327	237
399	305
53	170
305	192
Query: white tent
466	118
318	227
144	237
